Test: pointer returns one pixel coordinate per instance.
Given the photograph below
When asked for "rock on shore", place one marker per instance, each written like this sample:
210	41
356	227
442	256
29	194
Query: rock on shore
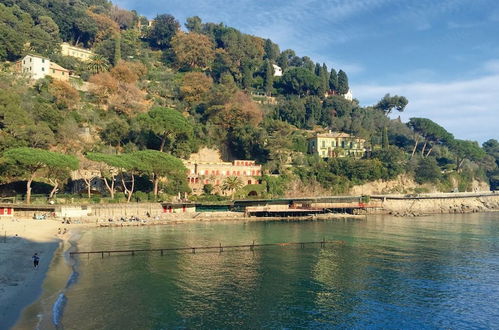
417	207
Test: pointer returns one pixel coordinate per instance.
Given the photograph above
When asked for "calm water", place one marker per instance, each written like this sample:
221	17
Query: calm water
430	272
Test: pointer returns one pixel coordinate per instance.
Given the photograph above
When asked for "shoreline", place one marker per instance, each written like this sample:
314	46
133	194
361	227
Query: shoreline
20	284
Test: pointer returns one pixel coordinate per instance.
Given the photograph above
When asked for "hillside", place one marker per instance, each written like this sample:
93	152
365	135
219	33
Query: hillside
157	86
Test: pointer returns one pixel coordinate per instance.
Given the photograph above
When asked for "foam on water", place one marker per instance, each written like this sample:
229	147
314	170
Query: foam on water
58	309
61	301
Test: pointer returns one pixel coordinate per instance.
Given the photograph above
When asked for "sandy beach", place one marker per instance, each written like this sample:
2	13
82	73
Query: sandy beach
20	283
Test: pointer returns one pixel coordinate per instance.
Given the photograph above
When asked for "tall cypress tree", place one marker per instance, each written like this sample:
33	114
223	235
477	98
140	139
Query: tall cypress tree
384	141
247	76
342	82
117	49
318	69
333	80
268	77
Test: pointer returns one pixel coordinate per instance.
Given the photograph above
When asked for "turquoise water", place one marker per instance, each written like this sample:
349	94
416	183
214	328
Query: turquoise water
428	272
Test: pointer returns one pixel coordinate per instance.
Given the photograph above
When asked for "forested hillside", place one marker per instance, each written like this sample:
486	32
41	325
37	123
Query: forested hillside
160	86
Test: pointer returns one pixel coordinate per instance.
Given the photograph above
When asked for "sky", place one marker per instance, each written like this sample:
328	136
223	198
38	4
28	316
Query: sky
443	55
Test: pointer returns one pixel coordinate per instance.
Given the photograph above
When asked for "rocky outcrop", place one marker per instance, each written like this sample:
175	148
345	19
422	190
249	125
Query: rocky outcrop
423	206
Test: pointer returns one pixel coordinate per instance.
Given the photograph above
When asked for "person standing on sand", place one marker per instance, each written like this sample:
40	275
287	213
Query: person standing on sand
36	260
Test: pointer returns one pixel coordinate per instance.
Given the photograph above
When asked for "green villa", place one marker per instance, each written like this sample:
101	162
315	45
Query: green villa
336	144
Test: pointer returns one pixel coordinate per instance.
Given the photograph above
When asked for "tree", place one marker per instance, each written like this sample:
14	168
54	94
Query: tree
193	50
271	50
165	123
464	149
66	97
164	28
109	167
194	24
491	147
103	85
232	183
98	64
128	72
283	60
333	80
122	17
31	162
342	82
115	133
384	141
430	131
428	171
300	81
159	165
195	87
268	82
388	103
132	166
117	49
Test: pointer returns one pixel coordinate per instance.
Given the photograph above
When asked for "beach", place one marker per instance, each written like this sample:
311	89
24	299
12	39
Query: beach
20	282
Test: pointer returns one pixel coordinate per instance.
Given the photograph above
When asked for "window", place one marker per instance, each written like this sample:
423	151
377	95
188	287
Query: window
43	60
53	71
43	69
323	144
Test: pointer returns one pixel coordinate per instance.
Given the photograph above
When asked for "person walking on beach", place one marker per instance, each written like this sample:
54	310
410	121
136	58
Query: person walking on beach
36	260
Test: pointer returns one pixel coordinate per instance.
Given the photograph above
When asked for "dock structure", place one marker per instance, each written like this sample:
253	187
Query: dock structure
220	248
308	208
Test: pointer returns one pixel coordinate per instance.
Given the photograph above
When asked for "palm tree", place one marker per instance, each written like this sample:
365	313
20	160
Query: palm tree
98	64
232	183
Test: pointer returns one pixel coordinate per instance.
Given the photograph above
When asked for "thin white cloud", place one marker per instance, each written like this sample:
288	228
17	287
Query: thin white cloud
468	108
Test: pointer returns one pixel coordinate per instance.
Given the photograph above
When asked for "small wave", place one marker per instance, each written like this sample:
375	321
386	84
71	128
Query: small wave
72	278
58	309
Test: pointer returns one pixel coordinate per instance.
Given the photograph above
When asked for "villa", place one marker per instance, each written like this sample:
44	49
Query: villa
80	53
336	144
200	173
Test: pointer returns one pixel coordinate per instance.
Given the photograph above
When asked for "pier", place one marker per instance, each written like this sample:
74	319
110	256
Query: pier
220	248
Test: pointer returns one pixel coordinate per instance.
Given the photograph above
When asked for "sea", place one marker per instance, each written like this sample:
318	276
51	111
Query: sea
381	272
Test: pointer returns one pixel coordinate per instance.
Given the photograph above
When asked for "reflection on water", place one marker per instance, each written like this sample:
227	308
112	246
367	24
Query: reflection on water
428	272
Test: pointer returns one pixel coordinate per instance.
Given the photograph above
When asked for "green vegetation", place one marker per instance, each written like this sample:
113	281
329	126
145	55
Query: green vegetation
154	94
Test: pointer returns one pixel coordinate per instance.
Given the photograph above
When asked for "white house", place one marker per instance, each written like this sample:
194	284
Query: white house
277	70
36	66
348	96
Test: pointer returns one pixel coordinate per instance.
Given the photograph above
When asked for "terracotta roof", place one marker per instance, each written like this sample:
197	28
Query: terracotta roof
335	135
56	66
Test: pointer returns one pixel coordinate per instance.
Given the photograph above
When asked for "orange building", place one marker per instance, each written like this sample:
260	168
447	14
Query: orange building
201	173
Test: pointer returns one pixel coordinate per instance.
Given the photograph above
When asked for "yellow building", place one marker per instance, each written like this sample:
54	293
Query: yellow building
58	72
80	53
336	144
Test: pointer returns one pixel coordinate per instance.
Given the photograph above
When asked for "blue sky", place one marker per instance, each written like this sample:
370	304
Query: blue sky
443	55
